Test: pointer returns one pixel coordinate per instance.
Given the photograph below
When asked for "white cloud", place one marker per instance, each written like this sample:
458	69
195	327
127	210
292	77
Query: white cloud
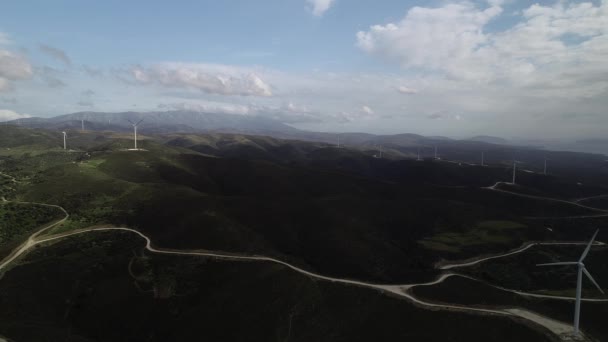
207	107
8	115
207	78
319	7
55	53
287	113
407	90
437	39
13	67
367	110
551	45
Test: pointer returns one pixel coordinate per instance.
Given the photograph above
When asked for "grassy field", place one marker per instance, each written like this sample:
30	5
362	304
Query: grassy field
484	234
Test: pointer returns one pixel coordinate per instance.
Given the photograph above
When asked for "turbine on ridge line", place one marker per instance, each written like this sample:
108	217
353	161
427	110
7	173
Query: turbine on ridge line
135	132
64	142
514	170
579	283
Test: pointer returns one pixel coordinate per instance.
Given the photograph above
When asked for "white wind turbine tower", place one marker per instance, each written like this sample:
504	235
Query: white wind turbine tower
579	283
483	157
64	140
514	170
135	133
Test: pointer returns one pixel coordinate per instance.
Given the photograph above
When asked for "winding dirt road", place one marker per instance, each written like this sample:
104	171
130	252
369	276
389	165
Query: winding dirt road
560	329
31	241
574	203
556	327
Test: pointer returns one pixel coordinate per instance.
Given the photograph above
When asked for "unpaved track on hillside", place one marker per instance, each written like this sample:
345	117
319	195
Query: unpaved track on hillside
31	241
574	203
401	291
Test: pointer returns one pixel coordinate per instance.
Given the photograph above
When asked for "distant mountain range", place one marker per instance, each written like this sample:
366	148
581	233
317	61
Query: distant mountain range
160	122
163	122
197	122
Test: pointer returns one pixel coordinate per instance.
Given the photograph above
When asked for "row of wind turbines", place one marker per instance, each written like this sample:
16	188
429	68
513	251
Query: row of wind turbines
65	146
483	157
581	269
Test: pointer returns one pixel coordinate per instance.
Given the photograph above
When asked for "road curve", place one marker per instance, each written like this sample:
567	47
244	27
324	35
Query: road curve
578	200
493	188
524	248
31	241
401	291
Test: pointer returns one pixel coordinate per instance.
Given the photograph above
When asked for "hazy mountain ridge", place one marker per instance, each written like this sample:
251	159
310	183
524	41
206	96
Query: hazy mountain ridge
181	121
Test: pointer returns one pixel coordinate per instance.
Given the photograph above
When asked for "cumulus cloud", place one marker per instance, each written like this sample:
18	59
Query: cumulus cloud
55	53
431	38
367	110
13	67
207	107
8	115
319	7
561	45
287	112
207	78
406	90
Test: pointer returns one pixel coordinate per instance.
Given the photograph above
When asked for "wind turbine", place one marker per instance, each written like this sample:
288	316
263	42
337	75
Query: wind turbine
418	159
514	170
82	124
482	158
579	283
64	142
135	132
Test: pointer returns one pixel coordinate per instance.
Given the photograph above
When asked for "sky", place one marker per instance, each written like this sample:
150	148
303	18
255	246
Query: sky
508	68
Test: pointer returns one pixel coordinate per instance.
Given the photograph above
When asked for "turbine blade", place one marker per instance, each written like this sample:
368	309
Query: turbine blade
570	263
592	280
140	121
130	121
588	247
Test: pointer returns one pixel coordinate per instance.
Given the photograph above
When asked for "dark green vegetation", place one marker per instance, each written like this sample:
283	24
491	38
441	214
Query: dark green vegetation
18	221
459	290
335	211
104	287
521	273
